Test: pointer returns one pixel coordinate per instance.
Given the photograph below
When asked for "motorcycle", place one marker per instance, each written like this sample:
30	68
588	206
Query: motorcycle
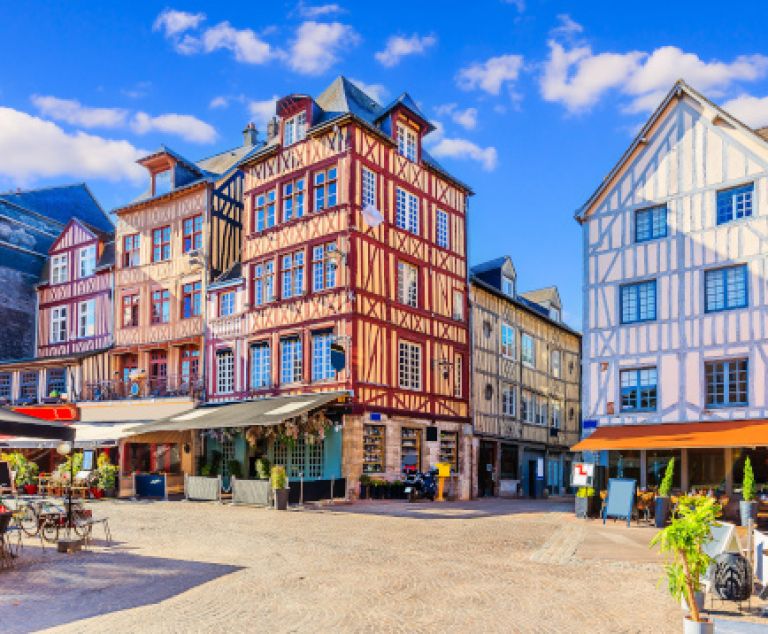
421	485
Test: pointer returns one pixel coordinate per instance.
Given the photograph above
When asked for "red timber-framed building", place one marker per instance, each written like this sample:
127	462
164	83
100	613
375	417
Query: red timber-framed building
354	236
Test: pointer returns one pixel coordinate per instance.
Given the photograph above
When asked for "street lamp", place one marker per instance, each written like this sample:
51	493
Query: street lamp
65	449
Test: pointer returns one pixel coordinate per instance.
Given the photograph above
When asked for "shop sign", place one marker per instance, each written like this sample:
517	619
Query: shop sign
583	474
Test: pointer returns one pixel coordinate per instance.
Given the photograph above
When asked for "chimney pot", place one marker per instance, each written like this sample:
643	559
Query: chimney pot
250	135
272	128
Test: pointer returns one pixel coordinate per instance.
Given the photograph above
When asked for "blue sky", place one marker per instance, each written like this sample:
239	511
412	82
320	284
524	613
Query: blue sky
534	100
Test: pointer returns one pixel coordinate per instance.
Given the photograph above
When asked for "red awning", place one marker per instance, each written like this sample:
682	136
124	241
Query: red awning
700	435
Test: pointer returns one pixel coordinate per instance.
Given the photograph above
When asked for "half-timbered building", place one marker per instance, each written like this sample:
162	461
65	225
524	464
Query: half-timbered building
675	241
353	280
526	371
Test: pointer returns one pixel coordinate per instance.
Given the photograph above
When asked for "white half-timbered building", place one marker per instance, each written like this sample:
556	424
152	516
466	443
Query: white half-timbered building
675	241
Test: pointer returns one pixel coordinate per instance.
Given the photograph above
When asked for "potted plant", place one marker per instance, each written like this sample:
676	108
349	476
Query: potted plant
235	468
25	471
683	540
262	469
584	502
280	487
106	477
748	505
661	504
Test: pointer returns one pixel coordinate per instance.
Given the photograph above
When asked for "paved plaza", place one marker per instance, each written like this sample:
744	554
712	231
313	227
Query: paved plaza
478	566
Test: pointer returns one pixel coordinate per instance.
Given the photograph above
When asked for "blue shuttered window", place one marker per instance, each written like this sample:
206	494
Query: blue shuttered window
650	223
638	390
726	288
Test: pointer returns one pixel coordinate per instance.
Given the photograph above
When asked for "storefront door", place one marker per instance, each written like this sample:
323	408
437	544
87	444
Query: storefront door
486	468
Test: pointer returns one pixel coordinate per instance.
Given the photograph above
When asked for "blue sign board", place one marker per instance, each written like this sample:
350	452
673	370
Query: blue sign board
338	357
621	499
150	485
589	424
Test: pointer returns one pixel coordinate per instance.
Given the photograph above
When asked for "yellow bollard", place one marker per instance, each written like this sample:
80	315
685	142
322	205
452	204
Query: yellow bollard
443	473
440	488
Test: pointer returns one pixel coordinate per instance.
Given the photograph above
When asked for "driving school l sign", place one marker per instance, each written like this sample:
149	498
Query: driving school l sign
583	473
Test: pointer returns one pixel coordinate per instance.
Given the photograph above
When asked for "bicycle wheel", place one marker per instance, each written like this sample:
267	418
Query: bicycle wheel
82	529
28	521
50	530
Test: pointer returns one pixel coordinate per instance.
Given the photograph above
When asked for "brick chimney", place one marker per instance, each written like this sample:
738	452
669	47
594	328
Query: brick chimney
273	127
250	135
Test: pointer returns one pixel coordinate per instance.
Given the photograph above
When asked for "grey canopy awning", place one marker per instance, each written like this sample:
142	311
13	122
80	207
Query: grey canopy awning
15	424
266	411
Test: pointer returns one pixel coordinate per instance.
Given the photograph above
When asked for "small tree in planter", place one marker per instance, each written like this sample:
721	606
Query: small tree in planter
280	487
748	505
661	508
106	480
683	540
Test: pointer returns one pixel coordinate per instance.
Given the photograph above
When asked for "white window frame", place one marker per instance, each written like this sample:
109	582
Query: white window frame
557	369
409	365
508	350
60	268
225	373
408	284
295	129
508	285
509	401
86	261
458	305
557	418
407	141
86	319
227	299
59	324
368	194
442	231
529	361
407	209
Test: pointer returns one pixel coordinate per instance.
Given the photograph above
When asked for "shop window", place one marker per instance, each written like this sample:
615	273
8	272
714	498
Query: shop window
6	385
449	449
28	386
759	459
706	469
56	381
410	449
301	458
508	462
625	464
373	448
137	458
656	465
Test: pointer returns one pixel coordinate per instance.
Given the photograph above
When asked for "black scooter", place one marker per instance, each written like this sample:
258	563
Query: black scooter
421	485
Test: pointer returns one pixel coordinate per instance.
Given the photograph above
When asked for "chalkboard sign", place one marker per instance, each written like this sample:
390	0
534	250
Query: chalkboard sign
621	499
5	475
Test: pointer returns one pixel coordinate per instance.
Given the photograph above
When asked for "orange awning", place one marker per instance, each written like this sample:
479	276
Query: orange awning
732	433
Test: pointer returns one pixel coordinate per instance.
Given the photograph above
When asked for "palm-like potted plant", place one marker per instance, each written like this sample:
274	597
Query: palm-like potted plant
683	540
661	505
748	505
280	487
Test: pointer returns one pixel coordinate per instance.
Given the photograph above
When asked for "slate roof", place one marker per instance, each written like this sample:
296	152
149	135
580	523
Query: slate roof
61	203
542	295
233	275
490	265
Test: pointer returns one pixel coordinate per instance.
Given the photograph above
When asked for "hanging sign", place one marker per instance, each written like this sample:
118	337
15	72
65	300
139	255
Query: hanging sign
338	357
583	474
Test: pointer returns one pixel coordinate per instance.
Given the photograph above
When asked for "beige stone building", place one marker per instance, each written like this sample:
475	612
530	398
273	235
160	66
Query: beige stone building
525	385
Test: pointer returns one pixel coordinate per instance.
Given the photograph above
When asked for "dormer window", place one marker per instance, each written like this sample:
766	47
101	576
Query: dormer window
507	285
406	142
60	269
162	182
295	129
86	261
555	314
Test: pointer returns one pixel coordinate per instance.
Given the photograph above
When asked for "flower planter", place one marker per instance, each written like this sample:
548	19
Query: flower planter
30	489
281	499
96	493
698	597
661	511
747	510
698	627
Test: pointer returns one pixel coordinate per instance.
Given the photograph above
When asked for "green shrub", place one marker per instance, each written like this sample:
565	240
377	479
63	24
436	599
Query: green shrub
279	478
365	480
748	487
666	484
25	470
235	468
106	473
262	469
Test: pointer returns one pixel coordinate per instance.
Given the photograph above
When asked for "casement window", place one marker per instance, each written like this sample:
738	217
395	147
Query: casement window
261	365
28	382
407	284
458	305
131	250
191	300
192	229
60	268
227	304
557	415
291	360
323	267
541	411
263	283
325	189
555	314
507	286
225	372
651	223
369	188
161	307
300	458
163	183
161	244
725	288
528	407
56	381
158	369
734	203
638	302
293	199
441	229
295	129
130	310
59	324
407	211
190	364
458	376
86	318
556	364
508	401
528	346
6	386
406	142
264	210
727	383
86	261
507	340
638	389
293	275
409	365
322	369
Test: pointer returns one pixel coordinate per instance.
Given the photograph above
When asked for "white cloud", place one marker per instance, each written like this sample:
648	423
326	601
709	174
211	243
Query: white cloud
173	23
186	126
262	111
577	77
491	74
24	139
748	109
464	149
316	46
244	43
219	102
399	46
317	11
73	112
466	118
378	91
